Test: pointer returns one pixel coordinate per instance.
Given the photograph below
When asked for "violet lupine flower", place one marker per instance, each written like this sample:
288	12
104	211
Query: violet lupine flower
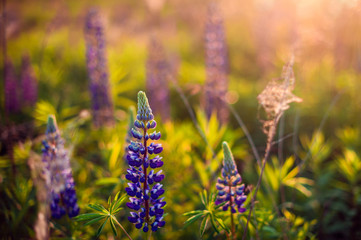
29	85
12	103
230	189
216	52
102	104
58	173
158	70
145	189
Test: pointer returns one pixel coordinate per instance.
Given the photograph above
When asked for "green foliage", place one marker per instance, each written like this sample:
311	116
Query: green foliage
103	214
209	215
314	193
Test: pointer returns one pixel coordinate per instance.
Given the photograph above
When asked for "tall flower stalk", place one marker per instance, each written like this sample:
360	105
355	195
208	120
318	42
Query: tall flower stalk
102	104
216	65
29	85
274	99
12	103
158	70
144	188
58	173
230	189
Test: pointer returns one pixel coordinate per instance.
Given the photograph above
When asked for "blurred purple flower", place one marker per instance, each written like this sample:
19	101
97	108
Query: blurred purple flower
58	173
216	51
29	85
12	103
158	70
98	70
144	188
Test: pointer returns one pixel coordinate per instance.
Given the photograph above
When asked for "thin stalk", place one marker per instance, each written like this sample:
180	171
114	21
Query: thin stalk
145	184
192	115
248	135
271	134
280	155
120	225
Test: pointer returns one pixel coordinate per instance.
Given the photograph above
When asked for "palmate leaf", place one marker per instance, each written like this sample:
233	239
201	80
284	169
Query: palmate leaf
208	215
104	214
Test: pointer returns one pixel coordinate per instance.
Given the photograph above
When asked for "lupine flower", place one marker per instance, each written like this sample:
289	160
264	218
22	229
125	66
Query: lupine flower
144	188
58	173
12	103
102	104
158	70
216	65
230	189
29	85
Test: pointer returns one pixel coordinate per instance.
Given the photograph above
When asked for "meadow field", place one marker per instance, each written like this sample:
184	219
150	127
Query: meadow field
180	119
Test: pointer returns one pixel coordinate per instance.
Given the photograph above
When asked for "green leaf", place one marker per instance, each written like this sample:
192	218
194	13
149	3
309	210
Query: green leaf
87	216
193	219
204	225
214	224
98	208
192	212
95	220
204	197
113	226
101	227
117	196
116	206
220	205
221	223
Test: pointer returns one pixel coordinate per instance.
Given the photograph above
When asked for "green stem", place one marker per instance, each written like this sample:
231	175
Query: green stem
271	134
120	225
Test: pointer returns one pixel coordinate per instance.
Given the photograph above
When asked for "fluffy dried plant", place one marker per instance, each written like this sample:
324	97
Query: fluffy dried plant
277	96
274	99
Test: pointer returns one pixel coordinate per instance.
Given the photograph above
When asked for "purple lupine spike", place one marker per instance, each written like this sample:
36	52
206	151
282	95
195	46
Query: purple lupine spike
102	104
216	54
12	103
29	85
145	188
158	70
58	173
230	189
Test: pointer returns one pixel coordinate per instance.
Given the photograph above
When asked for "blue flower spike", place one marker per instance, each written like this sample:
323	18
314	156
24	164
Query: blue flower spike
144	188
58	173
230	189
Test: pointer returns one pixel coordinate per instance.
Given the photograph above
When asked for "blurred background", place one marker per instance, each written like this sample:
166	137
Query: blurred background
321	135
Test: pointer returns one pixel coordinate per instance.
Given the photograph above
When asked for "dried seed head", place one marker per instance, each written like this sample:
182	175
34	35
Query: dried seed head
277	96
